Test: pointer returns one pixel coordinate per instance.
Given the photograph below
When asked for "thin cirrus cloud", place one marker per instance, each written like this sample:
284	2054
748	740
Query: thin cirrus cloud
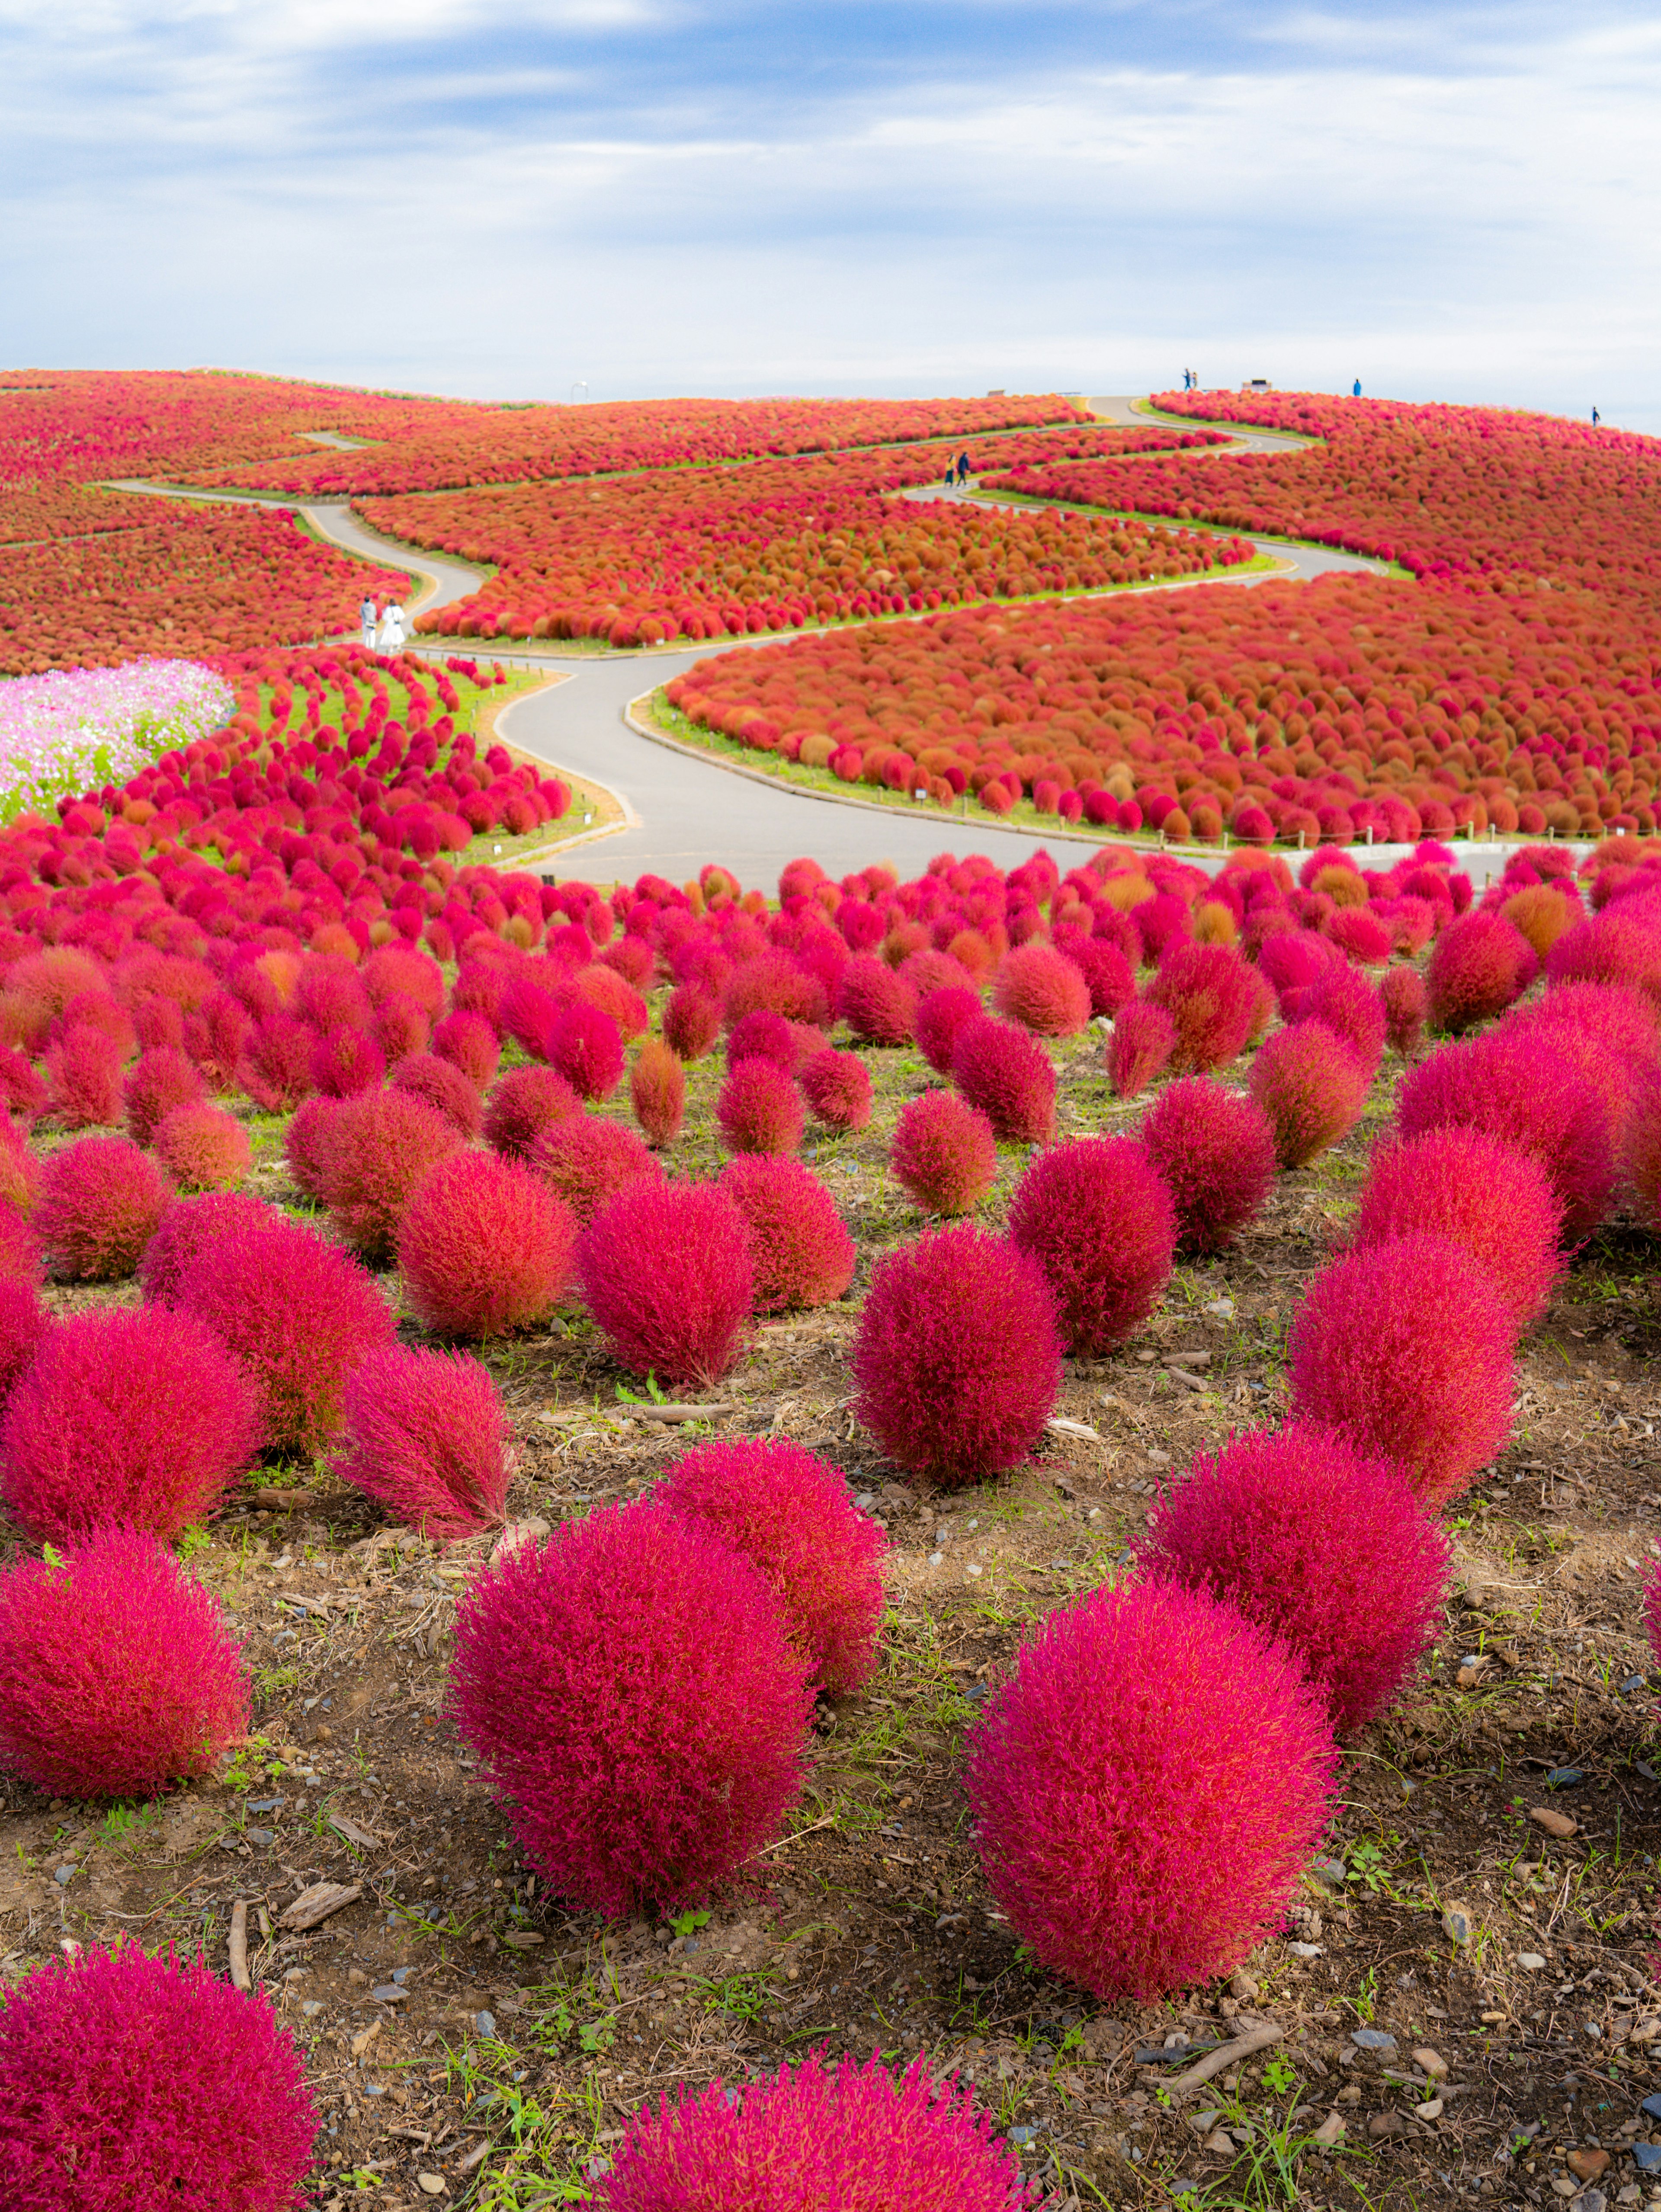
483	196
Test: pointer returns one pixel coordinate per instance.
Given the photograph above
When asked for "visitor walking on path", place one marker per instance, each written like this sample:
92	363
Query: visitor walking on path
366	616
963	467
392	628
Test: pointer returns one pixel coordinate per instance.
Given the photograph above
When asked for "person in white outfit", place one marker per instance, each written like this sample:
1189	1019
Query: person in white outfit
392	628
366	617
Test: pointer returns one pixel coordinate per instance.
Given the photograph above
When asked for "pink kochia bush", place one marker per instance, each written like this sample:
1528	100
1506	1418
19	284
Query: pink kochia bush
1148	1787
759	1108
100	1202
185	1227
667	1274
790	1512
20	1247
442	1085
1479	964
1495	1204
117	1676
1320	1545
468	1043
526	1101
202	1147
162	1079
1406	1346
1214	1152
941	1014
956	1356
1140	1049
657	1088
1406	1009
1211	996
297	1315
585	1047
127	1414
800	1252
23	1322
381	1148
633	1697
1007	1075
130	2082
486	1246
817	2140
1095	1216
1310	1087
838	1090
876	1003
943	1152
587	1161
426	1436
1036	987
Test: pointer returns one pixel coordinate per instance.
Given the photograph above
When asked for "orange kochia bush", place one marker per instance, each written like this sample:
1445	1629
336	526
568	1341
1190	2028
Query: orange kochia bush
1316	711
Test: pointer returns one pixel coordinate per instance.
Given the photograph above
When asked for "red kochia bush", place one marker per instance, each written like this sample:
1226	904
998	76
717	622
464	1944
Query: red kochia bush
956	1356
1406	1347
800	1252
83	1069
468	1042
20	1168
116	1673
585	1047
100	1201
426	1436
1211	996
876	1003
20	1247
23	1321
525	1102
162	1079
1310	1087
762	1036
1139	1051
1214	1152
587	1161
484	1246
296	1313
187	1225
1352	1010
759	1108
1406	1009
1007	1075
1495	1204
381	1148
1148	1787
275	1066
666	1273
941	1014
1317	1544
790	1512
1097	1218
202	1147
1036	987
634	1700
853	2140
441	1084
151	2082
127	1414
943	1152
657	1090
838	1090
345	1063
692	1022
1478	965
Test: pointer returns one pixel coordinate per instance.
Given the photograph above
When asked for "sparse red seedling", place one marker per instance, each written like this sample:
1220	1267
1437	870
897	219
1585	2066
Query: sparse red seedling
1214	1152
1095	1216
1310	1087
485	1247
666	1273
799	1250
426	1437
100	1199
1007	1076
1496	1204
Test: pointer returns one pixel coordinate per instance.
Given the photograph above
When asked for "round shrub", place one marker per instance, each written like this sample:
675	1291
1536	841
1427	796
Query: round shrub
20	1168
84	1070
345	1063
640	1628
1211	996
381	1148
1036	987
811	2140
426	1436
1139	1051
586	1161
188	1225
100	1202
657	1090
117	1676
762	1036
1007	1075
297	1314
1317	1544
800	1253
666	1273
484	1246
1214	1152
441	1085
585	1047
774	980
524	1103
134	1414
1148	1788
153	2082
759	1108
1495	1204
162	1079
329	994
956	1356
1095	1216
838	1090
20	1247
306	1144
790	1512
1406	1009
1406	1347
275	1066
202	1147
1509	1086
692	1022
944	1153
1109	976
941	1014
1309	1088
1352	1010
1478	966
468	1042
23	1321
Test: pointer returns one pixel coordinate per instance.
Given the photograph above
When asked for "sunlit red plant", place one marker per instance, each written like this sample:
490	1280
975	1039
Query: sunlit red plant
425	1435
1097	1217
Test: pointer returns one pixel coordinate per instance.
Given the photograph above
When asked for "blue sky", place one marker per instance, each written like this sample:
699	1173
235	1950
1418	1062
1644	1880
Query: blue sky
500	197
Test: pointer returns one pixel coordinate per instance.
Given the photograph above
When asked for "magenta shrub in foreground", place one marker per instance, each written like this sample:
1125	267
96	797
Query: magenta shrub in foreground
759	1108
1496	1204
630	1693
943	1152
186	1226
1148	1787
426	1437
799	1250
1406	1346
838	1090
130	1414
117	1674
1007	1076
100	1201
666	1272
130	2084
1320	1545
1096	1217
851	2139
486	1246
1214	1152
956	1356
790	1512
23	1322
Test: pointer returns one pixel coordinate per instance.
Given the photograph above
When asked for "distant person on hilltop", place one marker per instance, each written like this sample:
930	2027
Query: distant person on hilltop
366	617
1356	391
1596	418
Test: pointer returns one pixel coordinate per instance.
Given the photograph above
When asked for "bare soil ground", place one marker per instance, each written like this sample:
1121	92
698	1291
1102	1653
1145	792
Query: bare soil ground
471	2042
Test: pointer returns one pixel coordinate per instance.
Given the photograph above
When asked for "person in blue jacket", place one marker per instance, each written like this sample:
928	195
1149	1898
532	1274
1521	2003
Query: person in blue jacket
1356	393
